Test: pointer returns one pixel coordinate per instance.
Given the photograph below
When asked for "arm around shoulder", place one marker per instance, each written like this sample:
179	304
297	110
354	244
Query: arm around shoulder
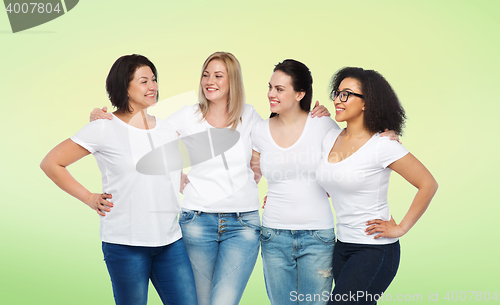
255	166
183	117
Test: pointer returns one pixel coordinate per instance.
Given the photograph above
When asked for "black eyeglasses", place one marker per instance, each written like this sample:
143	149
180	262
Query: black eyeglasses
344	95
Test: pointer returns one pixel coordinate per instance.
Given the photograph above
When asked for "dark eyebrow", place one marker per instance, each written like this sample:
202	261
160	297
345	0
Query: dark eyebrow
276	85
153	77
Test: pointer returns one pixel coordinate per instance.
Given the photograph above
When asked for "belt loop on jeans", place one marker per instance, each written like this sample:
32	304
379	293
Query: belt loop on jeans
238	215
197	213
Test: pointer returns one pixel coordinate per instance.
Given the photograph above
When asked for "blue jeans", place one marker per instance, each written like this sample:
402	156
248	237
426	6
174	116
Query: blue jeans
298	265
223	249
168	267
363	272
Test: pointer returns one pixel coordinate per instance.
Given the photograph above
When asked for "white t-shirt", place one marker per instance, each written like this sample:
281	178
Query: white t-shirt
224	182
295	201
358	186
145	206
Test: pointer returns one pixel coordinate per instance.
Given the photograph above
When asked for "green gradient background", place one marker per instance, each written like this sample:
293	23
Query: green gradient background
442	58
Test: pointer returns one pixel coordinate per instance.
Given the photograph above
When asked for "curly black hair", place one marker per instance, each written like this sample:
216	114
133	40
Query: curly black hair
382	107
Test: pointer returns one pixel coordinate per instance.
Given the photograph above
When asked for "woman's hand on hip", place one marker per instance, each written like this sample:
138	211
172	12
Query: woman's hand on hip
98	203
387	228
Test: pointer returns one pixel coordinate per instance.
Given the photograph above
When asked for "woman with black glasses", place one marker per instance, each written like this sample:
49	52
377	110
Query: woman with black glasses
355	171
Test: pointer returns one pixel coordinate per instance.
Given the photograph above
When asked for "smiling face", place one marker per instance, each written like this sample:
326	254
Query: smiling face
215	82
143	89
353	108
282	97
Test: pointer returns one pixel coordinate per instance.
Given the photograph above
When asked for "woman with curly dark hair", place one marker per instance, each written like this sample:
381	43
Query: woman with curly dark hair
355	171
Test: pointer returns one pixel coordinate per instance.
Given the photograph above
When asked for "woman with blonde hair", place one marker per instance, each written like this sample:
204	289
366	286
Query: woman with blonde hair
220	220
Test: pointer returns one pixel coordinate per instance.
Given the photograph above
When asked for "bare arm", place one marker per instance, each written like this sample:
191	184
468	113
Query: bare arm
257	174
414	172
54	165
184	182
255	166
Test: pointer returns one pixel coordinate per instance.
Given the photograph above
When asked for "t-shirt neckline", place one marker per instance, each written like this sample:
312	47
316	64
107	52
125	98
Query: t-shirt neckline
354	153
296	142
133	127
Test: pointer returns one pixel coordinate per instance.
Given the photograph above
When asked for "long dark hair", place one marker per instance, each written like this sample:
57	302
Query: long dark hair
301	80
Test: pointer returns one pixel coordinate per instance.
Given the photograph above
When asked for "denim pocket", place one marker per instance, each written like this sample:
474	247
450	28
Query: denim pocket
266	234
250	220
186	217
326	237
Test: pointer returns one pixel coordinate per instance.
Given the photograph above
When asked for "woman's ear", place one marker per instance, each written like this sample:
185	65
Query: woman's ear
300	95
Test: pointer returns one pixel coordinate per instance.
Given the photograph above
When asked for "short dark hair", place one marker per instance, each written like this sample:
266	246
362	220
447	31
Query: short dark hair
301	80
119	77
382	107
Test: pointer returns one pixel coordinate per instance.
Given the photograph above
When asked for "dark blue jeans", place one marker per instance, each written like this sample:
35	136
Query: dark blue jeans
363	272
168	267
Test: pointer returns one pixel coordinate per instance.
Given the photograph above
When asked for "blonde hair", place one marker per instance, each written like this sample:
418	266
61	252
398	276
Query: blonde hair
236	100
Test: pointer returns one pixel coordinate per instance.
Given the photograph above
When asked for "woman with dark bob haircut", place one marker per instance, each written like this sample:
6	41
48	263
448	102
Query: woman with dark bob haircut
119	77
141	238
355	171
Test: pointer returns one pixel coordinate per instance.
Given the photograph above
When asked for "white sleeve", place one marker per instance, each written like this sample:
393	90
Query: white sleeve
90	136
334	125
329	123
164	132
255	117
389	151
255	138
178	119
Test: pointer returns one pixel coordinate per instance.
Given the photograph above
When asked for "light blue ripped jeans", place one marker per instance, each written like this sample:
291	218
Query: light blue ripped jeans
223	249
298	265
